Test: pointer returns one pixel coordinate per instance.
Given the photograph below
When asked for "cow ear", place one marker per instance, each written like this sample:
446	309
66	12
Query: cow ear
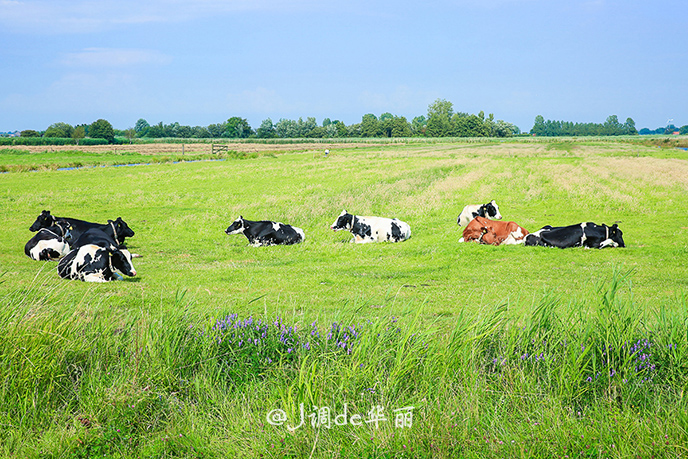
615	226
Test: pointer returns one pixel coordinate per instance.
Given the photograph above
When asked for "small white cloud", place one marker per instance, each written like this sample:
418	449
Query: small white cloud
61	16
112	57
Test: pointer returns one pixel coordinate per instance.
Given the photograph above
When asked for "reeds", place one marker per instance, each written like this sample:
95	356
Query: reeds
122	384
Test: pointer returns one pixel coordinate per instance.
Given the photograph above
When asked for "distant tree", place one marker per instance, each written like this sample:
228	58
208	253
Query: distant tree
370	126
286	129
62	130
326	122
185	132
331	130
216	130
130	135
440	113
29	133
78	134
438	126
503	129
200	132
353	130
317	132
237	128
440	107
539	126
683	130
401	127
612	125
629	127
266	130
155	131
141	127
469	126
418	125
342	130
102	129
645	131
304	128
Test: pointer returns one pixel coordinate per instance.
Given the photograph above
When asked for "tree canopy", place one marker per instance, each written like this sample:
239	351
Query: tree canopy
441	120
611	126
62	130
102	129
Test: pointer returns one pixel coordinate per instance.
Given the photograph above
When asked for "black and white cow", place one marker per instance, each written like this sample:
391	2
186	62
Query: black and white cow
118	229
95	258
49	243
264	233
489	210
586	234
372	229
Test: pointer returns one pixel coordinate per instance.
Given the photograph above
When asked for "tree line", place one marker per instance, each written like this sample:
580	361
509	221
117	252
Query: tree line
668	130
99	129
441	121
611	126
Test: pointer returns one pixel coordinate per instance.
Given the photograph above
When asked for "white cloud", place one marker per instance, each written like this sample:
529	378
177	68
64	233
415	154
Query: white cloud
112	57
63	16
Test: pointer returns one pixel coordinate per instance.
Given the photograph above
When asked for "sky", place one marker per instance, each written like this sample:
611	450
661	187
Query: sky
202	62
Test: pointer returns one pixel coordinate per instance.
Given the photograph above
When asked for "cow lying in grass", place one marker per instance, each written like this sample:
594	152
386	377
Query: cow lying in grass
589	235
493	232
117	229
95	258
264	233
49	243
372	229
489	210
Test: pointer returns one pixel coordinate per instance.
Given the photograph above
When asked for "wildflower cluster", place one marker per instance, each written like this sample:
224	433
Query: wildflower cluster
249	346
631	362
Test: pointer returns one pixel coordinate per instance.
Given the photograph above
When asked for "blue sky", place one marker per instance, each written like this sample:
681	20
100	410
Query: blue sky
202	62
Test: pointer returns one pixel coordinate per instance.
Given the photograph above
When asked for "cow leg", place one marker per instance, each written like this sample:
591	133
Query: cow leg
94	277
608	243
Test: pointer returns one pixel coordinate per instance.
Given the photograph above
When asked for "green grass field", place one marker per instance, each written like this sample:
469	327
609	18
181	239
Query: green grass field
502	351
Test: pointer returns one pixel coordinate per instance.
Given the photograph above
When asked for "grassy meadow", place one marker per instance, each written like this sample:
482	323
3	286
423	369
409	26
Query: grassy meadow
501	351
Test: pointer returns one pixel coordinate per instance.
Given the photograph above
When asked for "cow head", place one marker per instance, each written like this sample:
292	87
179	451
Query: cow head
44	220
237	226
121	260
343	222
62	229
616	235
121	228
492	211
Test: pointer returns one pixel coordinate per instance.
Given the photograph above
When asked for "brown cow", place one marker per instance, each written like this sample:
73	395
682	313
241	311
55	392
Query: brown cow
493	232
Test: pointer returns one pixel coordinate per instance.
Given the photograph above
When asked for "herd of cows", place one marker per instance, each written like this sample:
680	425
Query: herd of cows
93	252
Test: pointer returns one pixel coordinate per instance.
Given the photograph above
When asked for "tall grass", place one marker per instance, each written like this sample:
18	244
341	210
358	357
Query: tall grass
81	380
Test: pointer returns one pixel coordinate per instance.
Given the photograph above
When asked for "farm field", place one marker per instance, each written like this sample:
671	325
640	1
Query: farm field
138	368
